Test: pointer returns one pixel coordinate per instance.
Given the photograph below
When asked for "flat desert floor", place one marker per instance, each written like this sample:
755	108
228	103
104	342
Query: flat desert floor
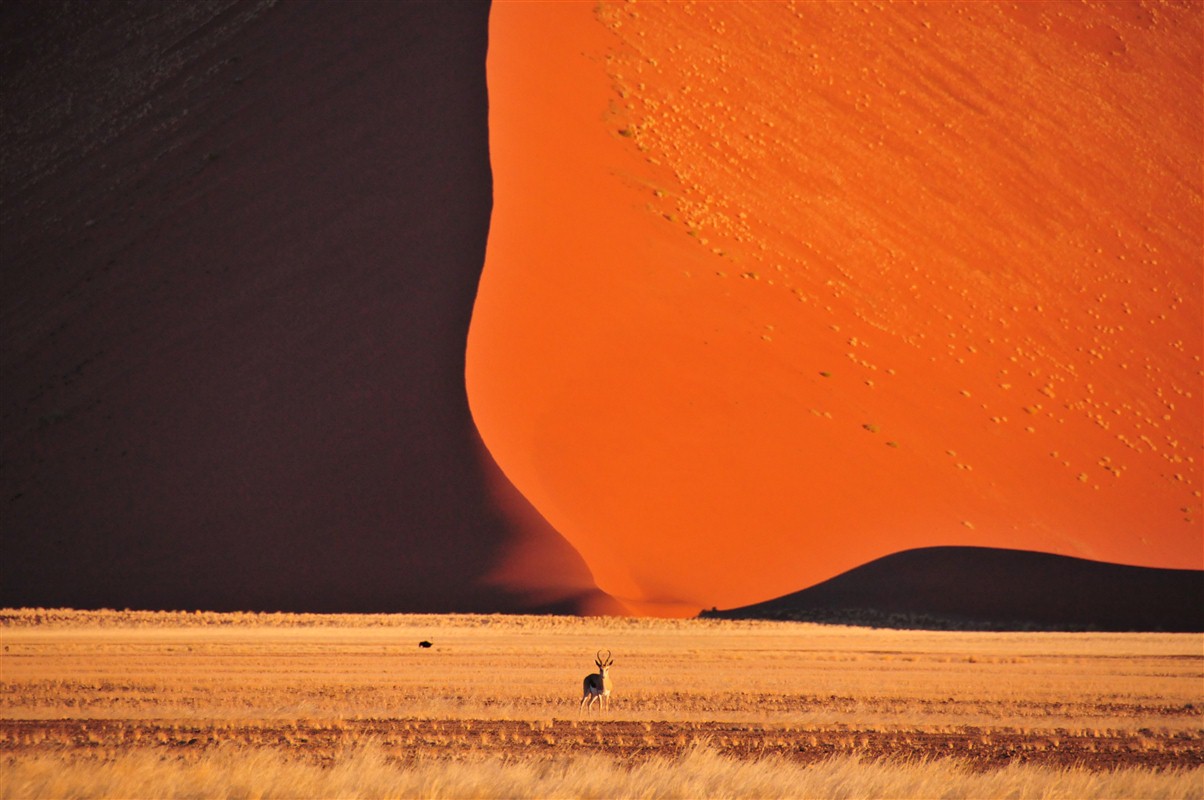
124	703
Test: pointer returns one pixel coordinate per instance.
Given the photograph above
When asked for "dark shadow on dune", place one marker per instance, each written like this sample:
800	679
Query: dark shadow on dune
980	588
240	257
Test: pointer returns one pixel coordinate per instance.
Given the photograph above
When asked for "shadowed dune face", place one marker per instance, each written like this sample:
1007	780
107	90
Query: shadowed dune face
774	289
240	256
1011	590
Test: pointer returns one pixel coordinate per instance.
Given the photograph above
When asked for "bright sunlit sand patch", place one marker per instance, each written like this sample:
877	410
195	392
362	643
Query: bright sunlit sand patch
774	289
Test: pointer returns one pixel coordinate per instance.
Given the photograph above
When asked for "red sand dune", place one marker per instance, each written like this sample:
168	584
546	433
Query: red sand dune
241	244
775	289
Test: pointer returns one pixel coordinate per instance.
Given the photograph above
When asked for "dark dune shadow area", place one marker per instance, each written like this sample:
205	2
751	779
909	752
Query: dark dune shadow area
241	244
982	588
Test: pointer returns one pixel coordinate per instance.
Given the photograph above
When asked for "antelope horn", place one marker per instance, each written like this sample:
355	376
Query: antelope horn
608	659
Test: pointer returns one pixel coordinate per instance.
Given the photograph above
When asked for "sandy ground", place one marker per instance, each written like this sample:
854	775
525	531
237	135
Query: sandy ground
520	739
774	289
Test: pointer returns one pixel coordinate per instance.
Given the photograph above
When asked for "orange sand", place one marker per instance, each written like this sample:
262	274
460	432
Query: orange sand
775	289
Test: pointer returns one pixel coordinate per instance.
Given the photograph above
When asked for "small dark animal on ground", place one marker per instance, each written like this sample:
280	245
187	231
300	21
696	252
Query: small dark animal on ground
424	643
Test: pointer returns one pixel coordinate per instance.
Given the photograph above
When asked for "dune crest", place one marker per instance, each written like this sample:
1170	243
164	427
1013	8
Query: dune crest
241	244
775	289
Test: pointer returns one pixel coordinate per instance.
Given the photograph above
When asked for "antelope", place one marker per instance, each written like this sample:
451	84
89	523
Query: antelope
597	686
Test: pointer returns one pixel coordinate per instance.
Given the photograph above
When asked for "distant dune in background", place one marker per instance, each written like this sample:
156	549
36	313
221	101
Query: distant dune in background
241	243
773	290
982	588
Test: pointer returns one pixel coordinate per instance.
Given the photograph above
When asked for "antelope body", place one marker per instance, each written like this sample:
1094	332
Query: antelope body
597	686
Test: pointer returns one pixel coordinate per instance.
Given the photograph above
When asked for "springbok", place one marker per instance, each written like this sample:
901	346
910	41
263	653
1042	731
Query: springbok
597	686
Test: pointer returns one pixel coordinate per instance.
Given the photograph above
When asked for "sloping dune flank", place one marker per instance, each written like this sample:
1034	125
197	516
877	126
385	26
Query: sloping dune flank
980	588
776	289
241	243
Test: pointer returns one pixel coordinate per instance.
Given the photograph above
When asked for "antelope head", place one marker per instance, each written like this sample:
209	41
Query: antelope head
603	663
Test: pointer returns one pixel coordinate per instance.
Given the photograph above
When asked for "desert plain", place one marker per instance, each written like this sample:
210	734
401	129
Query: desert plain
122	704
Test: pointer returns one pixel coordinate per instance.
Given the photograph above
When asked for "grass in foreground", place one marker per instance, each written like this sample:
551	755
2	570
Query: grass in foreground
133	704
367	772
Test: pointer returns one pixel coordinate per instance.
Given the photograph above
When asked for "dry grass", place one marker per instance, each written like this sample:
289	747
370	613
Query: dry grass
367	772
114	697
138	665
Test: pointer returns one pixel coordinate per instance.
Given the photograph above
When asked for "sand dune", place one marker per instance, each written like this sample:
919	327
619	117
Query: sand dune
776	289
241	244
772	290
982	588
